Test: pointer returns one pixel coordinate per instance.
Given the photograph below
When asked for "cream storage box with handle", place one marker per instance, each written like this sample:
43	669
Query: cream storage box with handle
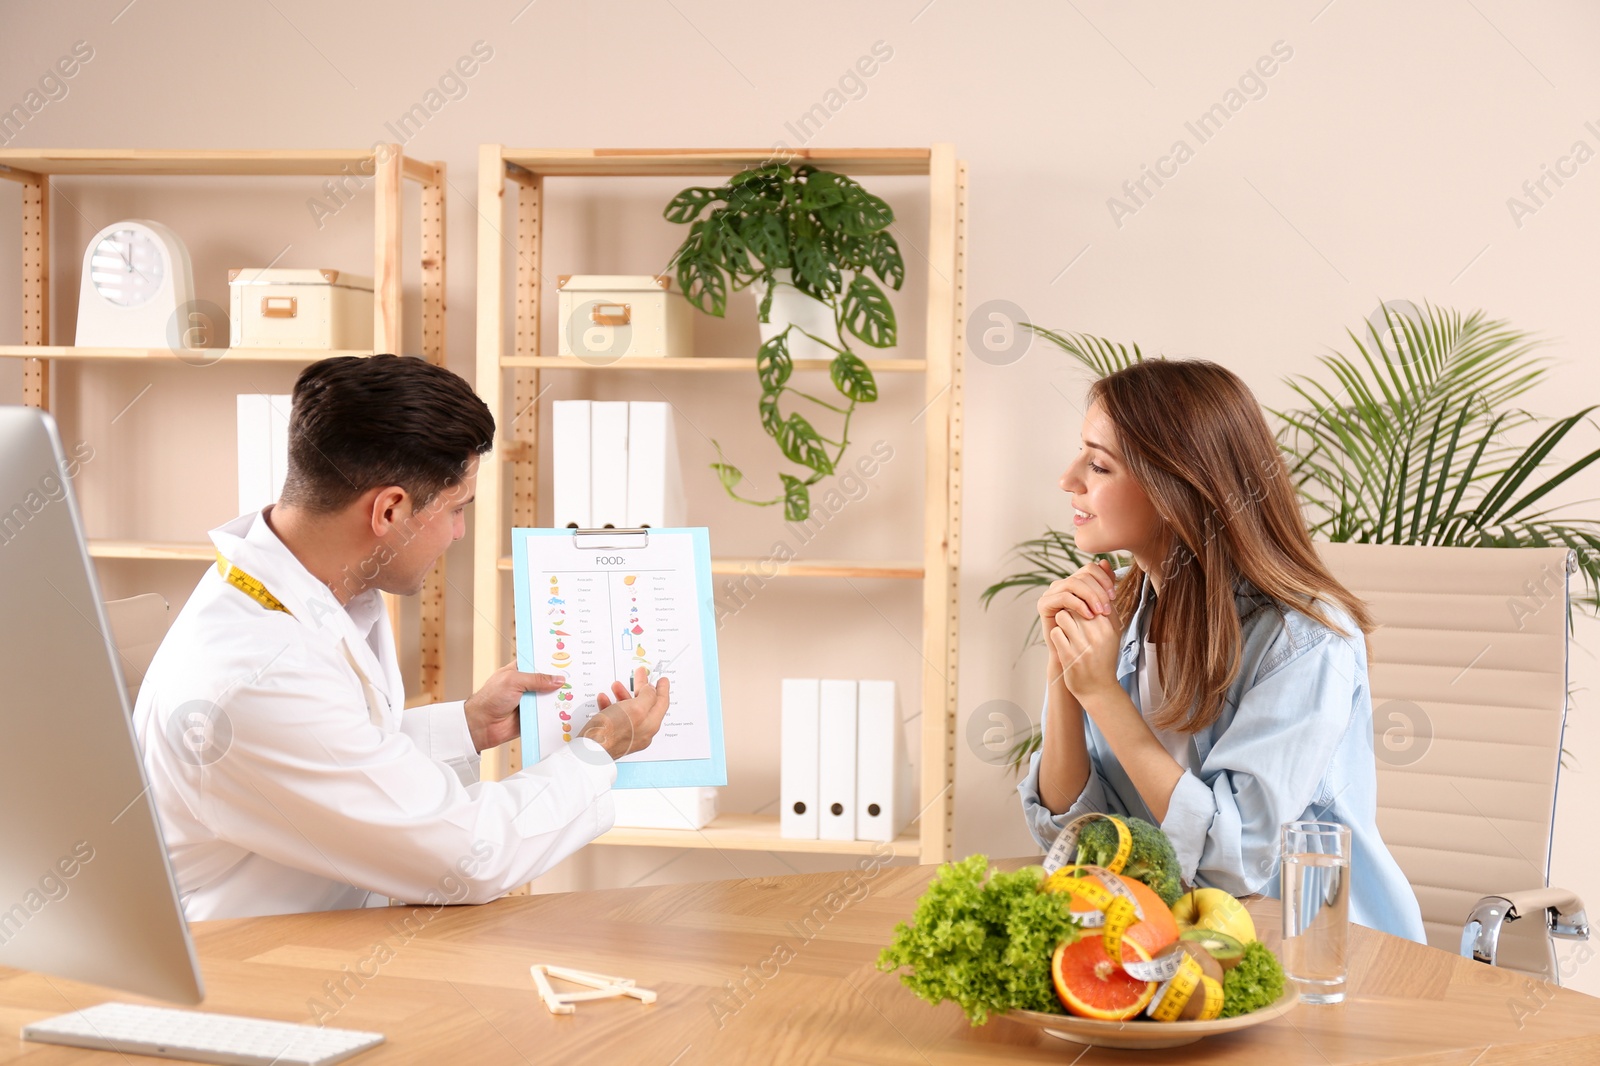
605	317
294	308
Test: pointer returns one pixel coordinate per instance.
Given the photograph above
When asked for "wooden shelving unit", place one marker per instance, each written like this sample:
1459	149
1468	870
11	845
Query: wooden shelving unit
525	170
387	168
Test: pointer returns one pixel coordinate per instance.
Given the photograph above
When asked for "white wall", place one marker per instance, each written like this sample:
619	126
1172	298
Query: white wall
1376	165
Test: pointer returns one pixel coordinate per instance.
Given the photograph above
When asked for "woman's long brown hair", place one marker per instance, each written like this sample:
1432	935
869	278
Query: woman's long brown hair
1193	437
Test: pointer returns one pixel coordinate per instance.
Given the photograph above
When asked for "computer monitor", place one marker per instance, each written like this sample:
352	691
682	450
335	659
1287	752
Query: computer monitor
86	891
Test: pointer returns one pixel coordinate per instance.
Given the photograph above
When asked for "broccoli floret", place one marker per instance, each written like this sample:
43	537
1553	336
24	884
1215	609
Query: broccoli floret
1255	983
1152	860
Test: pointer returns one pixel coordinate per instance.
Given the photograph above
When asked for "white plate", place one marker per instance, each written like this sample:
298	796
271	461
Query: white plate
1143	1033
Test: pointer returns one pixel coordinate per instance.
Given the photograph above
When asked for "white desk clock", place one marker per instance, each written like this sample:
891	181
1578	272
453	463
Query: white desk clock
137	284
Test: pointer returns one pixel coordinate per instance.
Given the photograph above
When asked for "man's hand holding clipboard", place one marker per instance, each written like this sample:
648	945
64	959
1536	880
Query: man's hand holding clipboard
626	724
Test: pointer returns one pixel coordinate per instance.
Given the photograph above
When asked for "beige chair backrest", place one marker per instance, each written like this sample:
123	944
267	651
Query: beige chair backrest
138	624
1468	672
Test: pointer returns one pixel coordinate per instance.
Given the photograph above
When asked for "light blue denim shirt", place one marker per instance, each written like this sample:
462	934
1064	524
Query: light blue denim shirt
1294	741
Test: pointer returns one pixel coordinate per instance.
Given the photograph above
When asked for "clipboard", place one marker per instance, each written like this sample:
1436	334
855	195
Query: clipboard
593	604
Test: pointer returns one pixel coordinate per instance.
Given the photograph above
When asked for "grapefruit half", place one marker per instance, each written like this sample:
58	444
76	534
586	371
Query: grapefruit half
1090	985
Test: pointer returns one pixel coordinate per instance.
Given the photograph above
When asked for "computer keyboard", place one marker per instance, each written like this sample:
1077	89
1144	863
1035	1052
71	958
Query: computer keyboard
198	1037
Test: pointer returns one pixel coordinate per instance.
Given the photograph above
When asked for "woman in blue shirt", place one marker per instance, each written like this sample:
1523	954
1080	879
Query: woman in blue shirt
1235	696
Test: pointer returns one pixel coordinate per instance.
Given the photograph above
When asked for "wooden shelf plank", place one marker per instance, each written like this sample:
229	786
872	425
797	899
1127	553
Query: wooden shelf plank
819	568
193	356
420	172
689	162
753	832
151	549
695	363
240	163
911	570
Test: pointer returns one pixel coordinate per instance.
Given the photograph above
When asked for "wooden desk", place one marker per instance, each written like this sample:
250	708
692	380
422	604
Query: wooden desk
772	971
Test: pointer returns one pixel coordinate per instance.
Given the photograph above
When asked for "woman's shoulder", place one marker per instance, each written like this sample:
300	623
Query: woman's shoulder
1278	633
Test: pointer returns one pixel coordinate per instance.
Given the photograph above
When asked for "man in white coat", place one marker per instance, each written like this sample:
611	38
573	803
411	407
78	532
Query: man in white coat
287	774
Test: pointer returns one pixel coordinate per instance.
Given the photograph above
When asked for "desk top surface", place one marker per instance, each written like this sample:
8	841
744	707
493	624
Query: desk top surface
778	970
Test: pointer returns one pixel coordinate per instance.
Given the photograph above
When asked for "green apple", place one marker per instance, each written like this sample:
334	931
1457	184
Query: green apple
1212	908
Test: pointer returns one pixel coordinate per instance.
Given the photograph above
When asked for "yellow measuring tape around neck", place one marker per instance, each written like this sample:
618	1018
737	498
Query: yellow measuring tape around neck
249	586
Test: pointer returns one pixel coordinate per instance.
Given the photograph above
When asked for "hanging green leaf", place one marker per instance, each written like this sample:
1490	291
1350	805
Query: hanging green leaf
853	378
861	213
723	242
852	253
685	206
801	444
812	264
764	234
728	474
868	313
769	286
823	189
773	365
796	499
883	256
763	197
703	285
771	419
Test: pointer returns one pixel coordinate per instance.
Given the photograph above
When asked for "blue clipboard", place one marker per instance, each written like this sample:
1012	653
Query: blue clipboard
585	566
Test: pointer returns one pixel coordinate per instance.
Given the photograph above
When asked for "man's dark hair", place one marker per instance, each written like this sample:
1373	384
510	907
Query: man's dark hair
363	422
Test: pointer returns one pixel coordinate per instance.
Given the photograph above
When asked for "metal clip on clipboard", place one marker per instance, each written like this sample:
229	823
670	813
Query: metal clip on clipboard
611	539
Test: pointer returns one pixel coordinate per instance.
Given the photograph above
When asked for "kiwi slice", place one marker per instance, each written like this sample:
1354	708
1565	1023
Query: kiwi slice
1223	947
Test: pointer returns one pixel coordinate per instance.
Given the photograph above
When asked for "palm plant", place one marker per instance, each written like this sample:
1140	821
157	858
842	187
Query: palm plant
1411	445
1415	447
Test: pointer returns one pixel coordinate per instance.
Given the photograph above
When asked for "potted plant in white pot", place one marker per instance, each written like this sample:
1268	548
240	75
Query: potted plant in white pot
817	236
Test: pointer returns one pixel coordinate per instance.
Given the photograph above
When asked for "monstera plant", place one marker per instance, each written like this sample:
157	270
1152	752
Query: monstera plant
1409	443
819	233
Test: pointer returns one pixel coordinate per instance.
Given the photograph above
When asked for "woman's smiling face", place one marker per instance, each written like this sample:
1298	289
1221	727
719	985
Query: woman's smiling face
1112	513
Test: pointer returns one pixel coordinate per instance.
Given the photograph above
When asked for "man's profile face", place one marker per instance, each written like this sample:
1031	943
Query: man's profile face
420	537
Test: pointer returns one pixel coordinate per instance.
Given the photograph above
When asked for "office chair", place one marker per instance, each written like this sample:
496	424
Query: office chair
1468	674
138	624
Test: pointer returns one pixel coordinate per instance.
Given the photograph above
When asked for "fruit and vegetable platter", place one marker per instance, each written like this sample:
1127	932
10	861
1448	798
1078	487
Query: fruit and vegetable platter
1102	944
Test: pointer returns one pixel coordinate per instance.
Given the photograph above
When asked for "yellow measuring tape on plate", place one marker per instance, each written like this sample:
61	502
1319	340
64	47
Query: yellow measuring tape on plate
1114	910
249	586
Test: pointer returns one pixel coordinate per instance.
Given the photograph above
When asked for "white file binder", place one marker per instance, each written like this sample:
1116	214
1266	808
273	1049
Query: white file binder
797	764
664	808
569	433
608	464
836	762
263	434
883	772
655	476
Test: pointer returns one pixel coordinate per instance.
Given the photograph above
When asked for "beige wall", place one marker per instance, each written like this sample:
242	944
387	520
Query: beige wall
1374	163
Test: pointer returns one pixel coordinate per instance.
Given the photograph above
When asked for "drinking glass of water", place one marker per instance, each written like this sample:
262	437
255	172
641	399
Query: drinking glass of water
1316	908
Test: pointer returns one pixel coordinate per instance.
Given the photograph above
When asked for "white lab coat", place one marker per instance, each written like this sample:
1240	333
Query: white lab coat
287	778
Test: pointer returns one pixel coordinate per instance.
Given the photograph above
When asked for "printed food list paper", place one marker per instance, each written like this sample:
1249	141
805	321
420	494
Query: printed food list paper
593	605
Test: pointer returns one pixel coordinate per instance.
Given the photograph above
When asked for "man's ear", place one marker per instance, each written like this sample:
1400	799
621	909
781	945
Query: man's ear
390	505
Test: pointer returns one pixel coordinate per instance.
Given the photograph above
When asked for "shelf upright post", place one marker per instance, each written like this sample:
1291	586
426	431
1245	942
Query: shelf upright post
939	590
430	606
523	429
487	643
386	249
36	287
386	161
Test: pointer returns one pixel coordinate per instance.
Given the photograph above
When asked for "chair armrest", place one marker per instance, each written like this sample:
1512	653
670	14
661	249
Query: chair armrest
1563	914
